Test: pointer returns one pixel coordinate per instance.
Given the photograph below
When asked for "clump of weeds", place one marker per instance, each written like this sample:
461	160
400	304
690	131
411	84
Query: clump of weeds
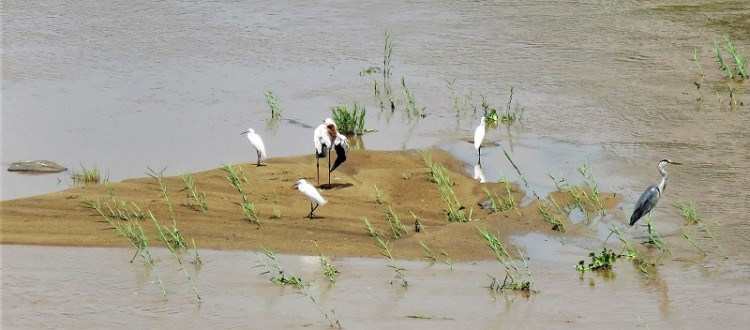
370	229
551	218
329	269
688	212
398	228
429	256
379	196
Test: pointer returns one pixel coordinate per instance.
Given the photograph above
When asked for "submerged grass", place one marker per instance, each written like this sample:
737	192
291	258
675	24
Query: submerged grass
688	212
399	277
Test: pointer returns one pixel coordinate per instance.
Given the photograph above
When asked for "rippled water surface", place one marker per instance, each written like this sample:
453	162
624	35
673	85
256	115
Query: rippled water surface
128	85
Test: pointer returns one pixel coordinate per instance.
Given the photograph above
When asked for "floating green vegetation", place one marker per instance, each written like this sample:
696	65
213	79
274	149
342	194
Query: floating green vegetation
273	104
603	261
196	200
87	176
515	279
350	122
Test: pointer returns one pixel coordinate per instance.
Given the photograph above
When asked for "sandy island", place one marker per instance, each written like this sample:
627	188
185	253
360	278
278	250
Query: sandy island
401	176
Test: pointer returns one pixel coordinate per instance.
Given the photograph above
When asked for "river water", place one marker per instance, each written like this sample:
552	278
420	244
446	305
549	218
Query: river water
125	86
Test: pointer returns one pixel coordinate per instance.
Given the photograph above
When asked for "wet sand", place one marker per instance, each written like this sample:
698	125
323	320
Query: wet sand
401	176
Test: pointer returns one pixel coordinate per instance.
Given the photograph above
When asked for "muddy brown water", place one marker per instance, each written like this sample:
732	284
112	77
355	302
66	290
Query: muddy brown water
137	84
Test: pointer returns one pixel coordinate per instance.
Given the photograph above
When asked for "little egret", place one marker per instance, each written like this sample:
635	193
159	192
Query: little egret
311	193
326	136
479	136
651	196
257	143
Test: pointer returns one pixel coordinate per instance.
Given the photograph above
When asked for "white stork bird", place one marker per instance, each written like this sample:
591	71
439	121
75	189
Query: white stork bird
325	137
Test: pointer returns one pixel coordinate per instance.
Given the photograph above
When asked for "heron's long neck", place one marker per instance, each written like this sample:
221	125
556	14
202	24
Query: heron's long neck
663	183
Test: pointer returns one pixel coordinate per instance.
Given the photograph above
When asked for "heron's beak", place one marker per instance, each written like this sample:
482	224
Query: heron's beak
295	185
245	132
676	163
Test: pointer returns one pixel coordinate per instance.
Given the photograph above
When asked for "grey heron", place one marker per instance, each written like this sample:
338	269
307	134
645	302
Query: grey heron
311	193
325	138
651	196
257	143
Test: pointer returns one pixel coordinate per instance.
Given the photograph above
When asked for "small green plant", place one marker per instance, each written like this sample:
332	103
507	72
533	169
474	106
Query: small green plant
281	276
561	183
551	218
197	260
628	251
328	269
86	176
697	62
169	238
370	229
198	197
500	204
688	212
447	259
693	242
587	172
273	104
378	196
398	229
349	122
386	247
429	256
514	279
490	113
248	209
276	214
714	239
438	174
740	61
411	107
603	261
654	237
514	115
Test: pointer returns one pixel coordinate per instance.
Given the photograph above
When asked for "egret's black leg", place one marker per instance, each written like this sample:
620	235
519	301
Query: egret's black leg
258	164
312	209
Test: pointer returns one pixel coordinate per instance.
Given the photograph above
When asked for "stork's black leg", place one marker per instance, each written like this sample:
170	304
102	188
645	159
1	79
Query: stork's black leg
329	167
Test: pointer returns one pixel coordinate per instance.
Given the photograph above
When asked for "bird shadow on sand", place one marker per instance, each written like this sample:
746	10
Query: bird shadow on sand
332	186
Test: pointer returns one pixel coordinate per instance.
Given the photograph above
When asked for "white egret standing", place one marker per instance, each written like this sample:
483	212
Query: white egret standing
311	193
651	196
257	143
479	136
325	137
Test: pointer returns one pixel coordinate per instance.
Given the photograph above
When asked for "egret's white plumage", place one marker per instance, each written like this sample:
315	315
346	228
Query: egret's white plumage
311	193
257	143
325	137
479	134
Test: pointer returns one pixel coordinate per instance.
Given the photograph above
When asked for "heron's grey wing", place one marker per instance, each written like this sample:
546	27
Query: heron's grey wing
341	145
645	203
